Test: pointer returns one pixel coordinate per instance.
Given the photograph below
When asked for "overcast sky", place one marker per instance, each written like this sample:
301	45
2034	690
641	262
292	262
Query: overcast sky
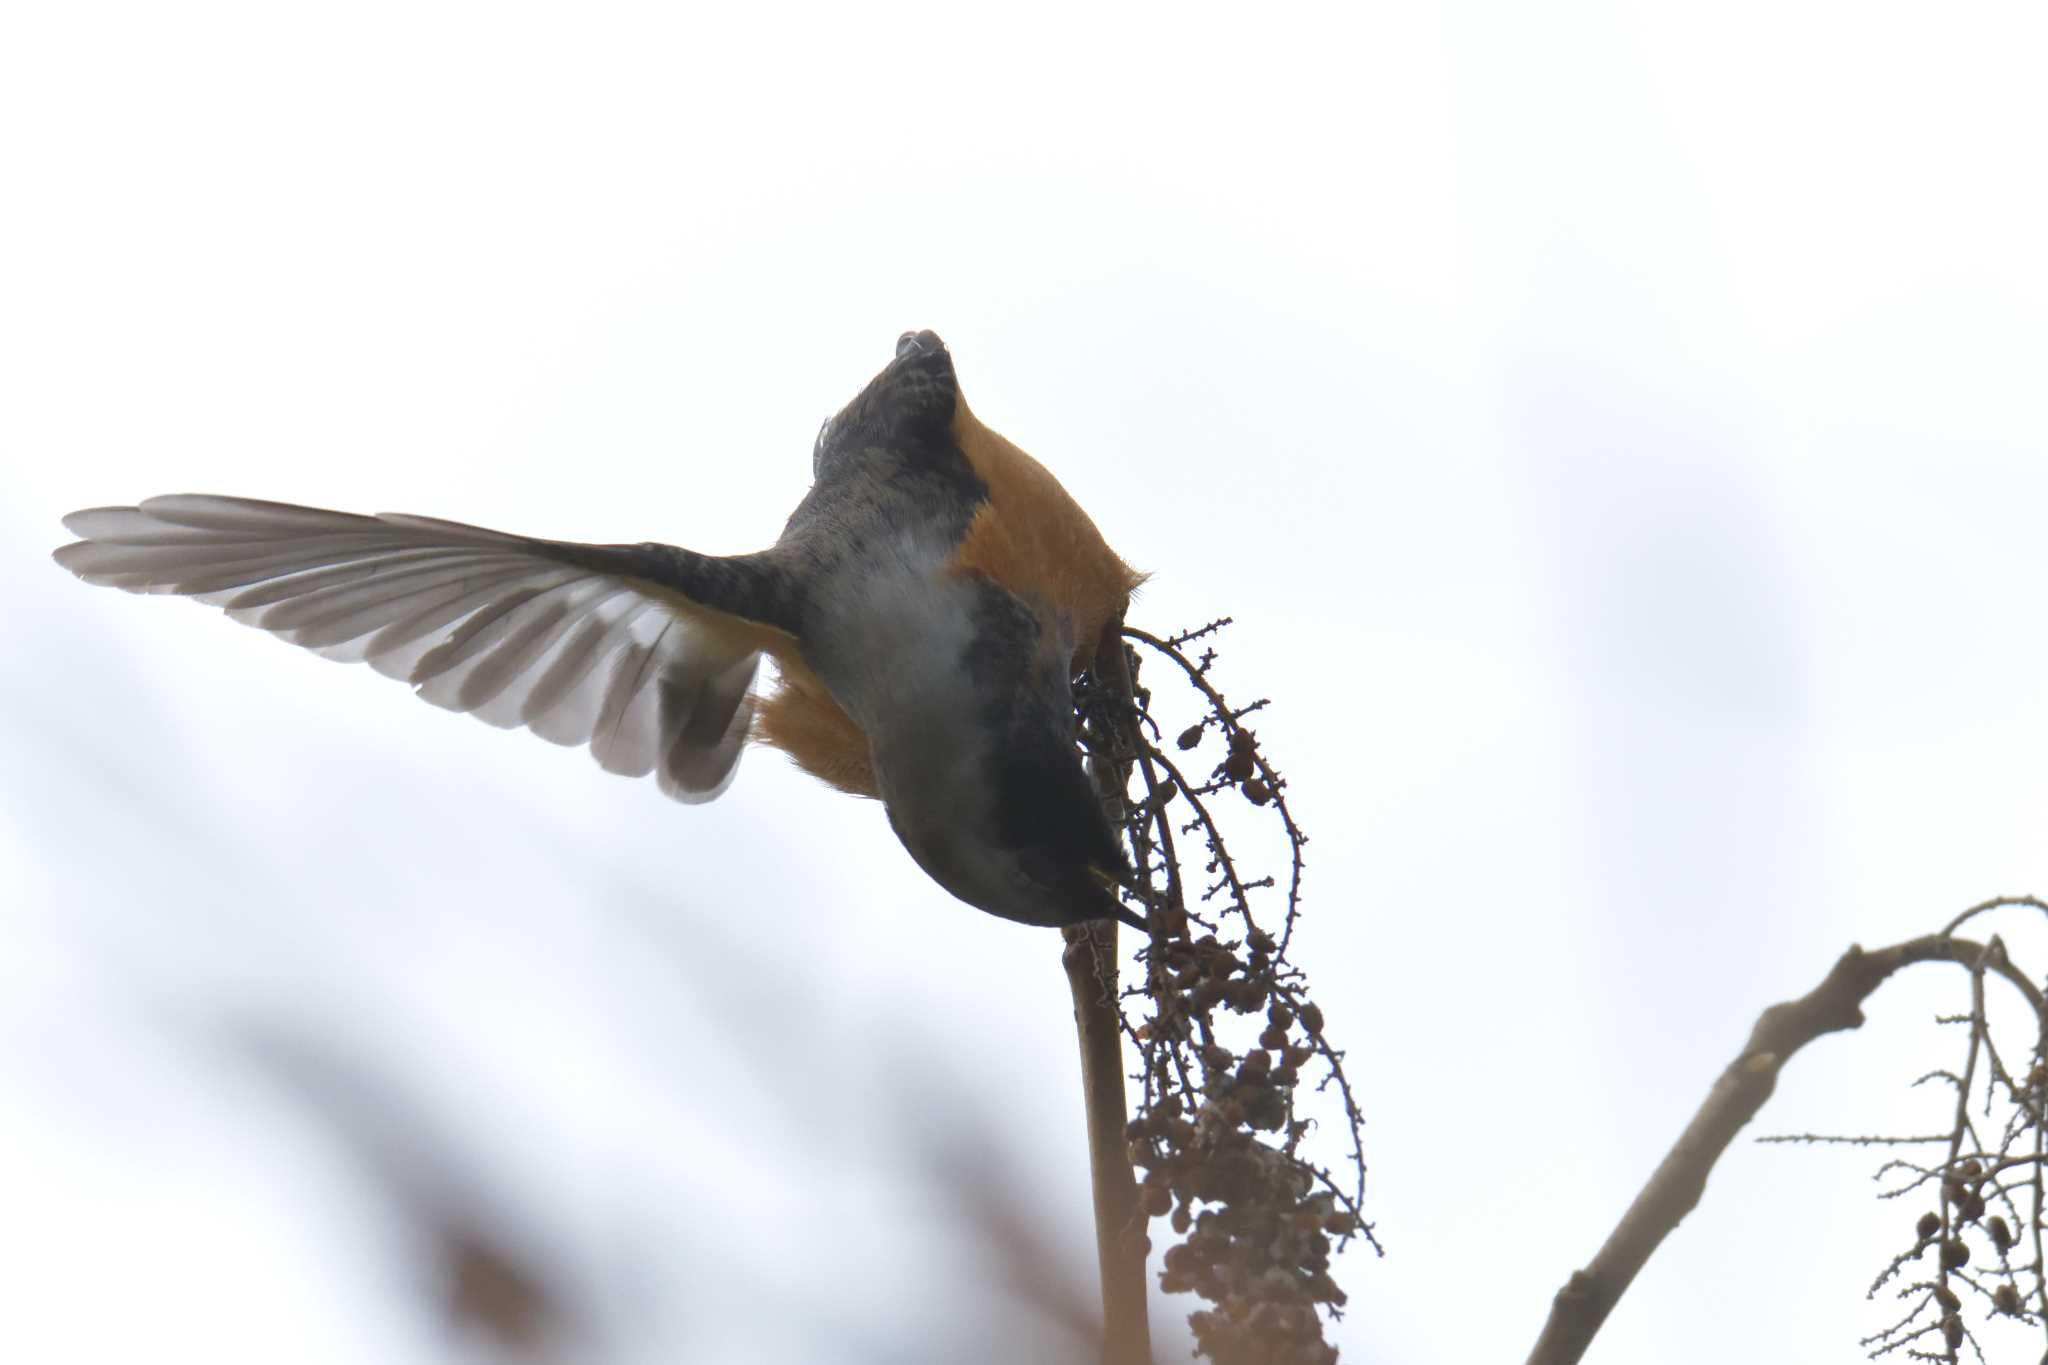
1618	430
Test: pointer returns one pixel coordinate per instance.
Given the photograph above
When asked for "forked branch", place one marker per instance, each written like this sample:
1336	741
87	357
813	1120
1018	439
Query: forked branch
1675	1187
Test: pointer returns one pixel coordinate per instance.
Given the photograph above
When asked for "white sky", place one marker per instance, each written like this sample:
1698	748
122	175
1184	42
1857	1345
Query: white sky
1617	429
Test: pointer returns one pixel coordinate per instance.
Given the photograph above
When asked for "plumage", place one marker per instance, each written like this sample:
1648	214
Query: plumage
925	607
474	619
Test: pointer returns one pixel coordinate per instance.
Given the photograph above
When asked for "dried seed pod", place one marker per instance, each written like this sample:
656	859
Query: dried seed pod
1955	1254
1157	1201
1312	1017
2006	1299
1266	1110
1257	792
1929	1224
1245	996
1946	1297
2001	1235
1952	1331
1323	1289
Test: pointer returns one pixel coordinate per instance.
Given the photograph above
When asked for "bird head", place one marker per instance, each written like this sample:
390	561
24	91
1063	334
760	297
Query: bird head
909	404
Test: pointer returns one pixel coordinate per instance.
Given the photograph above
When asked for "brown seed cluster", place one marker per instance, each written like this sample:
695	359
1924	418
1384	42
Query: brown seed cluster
1963	1184
1967	1191
1974	1272
1257	1226
1233	1050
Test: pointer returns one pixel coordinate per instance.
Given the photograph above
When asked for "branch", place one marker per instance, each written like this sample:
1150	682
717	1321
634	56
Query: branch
1580	1308
1090	958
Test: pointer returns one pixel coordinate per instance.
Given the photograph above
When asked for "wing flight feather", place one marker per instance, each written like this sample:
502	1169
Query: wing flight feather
567	641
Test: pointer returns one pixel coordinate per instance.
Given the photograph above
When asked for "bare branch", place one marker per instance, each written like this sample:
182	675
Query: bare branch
1580	1308
1090	958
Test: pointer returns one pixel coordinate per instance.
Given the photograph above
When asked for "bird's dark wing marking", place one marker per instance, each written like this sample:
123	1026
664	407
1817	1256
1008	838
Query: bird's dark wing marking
1045	805
645	653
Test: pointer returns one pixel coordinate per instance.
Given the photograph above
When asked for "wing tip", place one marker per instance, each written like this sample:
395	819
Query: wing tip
80	522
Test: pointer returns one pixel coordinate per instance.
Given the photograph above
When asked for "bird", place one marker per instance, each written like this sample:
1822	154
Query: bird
926	609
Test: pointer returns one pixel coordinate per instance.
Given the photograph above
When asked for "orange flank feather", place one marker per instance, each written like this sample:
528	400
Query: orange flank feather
1030	536
1034	539
800	718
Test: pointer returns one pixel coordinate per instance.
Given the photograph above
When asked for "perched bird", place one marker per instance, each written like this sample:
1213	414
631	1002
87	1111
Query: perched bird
926	607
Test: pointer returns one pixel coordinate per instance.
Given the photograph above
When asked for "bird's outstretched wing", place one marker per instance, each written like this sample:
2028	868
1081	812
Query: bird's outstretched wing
582	644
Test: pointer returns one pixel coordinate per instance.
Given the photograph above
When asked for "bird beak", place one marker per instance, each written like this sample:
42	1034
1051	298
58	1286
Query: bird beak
1124	879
